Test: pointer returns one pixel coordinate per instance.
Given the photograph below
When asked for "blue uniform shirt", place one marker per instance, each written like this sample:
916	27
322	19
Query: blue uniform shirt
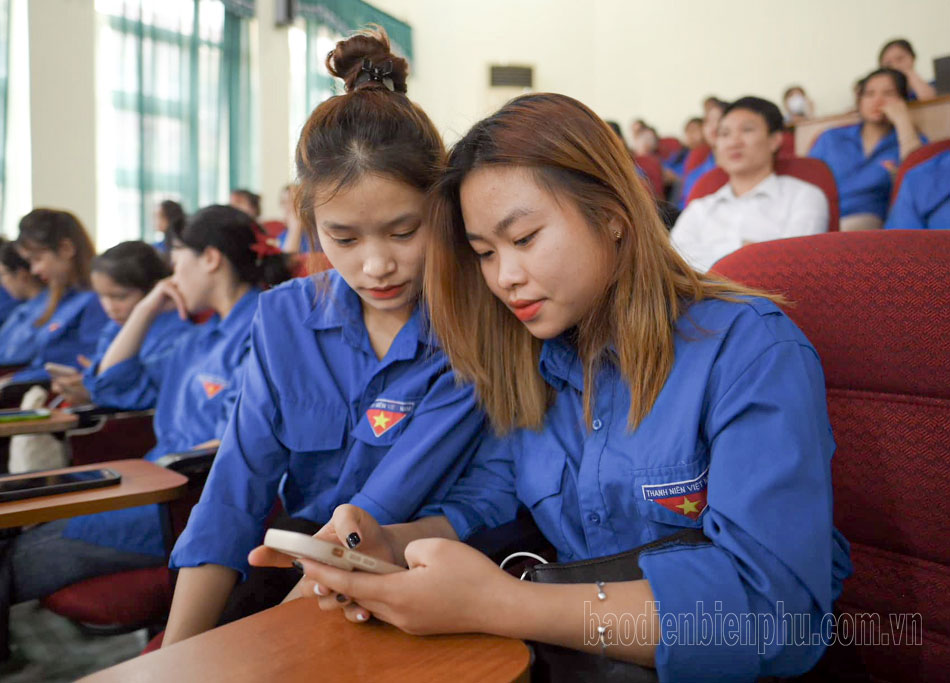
864	183
322	421
738	443
72	330
18	338
708	164
7	304
160	340
193	388
924	198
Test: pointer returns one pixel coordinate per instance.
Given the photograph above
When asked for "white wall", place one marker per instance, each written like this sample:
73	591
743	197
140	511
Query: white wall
658	60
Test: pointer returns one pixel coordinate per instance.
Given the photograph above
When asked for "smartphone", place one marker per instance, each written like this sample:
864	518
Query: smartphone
60	370
63	482
301	545
18	415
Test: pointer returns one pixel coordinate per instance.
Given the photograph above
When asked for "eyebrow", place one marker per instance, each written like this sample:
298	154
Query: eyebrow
505	223
398	220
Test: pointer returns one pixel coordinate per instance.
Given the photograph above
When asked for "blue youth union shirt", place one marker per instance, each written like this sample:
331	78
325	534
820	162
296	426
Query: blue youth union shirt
72	330
708	164
322	421
738	444
160	340
864	183
7	304
193	388
924	198
19	338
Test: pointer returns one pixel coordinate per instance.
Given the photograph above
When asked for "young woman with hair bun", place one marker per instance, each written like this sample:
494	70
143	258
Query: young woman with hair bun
639	406
347	398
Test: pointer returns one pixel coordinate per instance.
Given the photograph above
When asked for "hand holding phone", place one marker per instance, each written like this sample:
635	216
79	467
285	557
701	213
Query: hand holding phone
60	370
303	546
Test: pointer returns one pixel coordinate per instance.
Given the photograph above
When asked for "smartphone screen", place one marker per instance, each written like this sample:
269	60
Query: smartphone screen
45	484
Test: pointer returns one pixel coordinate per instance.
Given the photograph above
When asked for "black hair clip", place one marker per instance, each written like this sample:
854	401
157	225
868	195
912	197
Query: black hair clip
380	74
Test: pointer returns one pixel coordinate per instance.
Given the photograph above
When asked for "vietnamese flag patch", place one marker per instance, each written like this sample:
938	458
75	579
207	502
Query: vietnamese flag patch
384	414
212	385
687	498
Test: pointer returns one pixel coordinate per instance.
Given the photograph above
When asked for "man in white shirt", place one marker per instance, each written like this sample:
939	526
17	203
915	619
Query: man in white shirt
755	205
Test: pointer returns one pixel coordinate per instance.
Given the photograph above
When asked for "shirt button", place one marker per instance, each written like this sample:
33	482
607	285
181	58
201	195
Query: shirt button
597	424
594	518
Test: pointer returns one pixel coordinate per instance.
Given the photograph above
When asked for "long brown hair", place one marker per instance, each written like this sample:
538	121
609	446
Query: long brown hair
573	154
373	128
46	229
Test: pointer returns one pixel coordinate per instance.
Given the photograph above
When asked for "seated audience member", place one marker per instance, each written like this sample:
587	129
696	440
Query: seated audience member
863	157
645	153
169	216
692	138
756	205
7	301
923	200
60	253
635	127
363	407
246	201
899	55
714	112
121	277
218	265
18	335
636	398
798	106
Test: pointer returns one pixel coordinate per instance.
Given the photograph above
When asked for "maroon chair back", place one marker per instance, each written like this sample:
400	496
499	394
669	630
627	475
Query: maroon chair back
787	150
667	147
810	170
696	156
120	436
875	305
653	169
918	156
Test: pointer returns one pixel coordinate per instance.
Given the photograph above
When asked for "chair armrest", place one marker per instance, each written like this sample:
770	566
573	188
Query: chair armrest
520	535
193	464
91	415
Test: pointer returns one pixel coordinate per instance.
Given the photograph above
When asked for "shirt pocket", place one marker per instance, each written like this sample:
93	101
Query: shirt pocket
308	428
539	487
385	420
674	495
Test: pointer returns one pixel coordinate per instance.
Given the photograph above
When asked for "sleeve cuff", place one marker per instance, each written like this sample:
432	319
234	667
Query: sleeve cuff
697	589
119	376
217	534
379	513
464	519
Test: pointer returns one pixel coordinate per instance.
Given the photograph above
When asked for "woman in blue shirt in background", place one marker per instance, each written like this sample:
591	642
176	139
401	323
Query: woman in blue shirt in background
865	156
121	277
60	253
923	201
346	397
18	336
638	399
218	264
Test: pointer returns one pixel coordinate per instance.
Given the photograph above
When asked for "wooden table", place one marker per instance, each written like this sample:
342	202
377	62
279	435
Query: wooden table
58	421
143	482
297	642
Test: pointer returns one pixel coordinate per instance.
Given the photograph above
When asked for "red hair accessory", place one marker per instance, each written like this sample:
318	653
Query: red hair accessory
264	245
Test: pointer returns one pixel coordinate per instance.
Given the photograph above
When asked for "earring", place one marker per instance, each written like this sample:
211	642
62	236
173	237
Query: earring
617	235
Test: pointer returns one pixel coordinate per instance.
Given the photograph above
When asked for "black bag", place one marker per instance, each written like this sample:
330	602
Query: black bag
556	664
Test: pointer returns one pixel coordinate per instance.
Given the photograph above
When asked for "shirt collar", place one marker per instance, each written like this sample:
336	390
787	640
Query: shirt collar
767	187
238	319
337	306
559	364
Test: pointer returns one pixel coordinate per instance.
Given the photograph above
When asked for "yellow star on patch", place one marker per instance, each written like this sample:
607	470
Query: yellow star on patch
688	506
380	421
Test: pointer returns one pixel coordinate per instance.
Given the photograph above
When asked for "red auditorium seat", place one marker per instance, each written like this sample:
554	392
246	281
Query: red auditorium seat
875	304
810	170
787	150
918	156
667	147
653	170
696	156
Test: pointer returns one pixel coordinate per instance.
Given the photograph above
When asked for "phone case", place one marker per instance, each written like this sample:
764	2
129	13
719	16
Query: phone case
300	545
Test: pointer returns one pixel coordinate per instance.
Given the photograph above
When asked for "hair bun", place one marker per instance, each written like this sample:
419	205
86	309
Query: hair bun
346	61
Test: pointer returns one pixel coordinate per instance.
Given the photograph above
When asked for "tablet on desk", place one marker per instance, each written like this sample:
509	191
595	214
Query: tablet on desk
18	415
47	484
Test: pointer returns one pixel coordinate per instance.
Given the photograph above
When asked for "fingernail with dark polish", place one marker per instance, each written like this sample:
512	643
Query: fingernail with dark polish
353	540
341	598
297	566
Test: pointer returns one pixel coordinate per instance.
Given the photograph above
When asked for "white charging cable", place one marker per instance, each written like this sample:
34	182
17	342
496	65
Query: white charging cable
522	554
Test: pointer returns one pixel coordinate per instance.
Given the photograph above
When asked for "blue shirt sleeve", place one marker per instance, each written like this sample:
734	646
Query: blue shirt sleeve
428	456
903	214
485	496
228	520
769	500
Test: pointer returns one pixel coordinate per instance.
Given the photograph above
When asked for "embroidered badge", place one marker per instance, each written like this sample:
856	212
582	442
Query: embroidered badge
687	498
384	414
212	385
53	327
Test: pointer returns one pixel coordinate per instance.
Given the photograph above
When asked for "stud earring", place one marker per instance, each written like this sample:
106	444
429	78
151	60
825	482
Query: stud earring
617	235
